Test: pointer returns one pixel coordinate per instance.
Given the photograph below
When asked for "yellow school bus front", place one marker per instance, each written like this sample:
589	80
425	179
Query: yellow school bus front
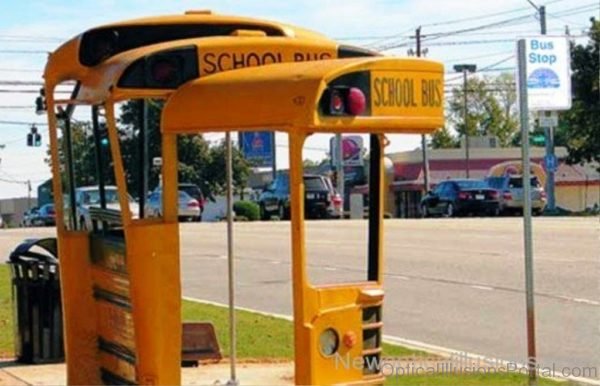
338	328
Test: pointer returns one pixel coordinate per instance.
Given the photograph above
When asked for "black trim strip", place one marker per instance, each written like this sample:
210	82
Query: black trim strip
117	350
374	208
346	51
113	298
110	378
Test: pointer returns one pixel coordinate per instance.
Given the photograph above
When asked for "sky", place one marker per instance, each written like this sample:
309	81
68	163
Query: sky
31	28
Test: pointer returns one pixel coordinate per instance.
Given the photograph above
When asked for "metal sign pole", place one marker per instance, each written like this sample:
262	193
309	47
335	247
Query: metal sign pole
231	271
524	118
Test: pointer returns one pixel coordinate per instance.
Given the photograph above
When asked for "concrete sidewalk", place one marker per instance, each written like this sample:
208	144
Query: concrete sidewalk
15	374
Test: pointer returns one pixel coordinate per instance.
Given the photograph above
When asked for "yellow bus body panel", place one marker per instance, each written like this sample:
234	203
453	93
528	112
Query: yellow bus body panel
79	311
63	64
285	96
153	263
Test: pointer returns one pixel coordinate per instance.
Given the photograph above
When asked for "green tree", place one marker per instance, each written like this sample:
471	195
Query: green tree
215	173
84	157
443	139
199	163
582	122
491	108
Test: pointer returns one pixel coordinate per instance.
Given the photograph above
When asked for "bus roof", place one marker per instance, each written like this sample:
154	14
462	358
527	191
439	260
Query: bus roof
403	96
72	59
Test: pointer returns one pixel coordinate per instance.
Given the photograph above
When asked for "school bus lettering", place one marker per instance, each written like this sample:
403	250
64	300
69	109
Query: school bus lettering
391	92
212	63
395	92
431	93
307	56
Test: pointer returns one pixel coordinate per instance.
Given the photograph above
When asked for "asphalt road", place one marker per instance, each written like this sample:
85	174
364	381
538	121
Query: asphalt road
456	283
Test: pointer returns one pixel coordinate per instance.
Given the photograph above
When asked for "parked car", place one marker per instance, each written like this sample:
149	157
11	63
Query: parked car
46	216
189	207
28	216
320	198
195	192
89	196
459	197
511	193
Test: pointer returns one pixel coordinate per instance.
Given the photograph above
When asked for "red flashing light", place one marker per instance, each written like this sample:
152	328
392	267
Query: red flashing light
357	101
164	71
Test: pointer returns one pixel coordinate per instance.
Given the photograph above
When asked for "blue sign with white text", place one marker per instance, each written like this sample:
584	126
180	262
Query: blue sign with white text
551	162
258	147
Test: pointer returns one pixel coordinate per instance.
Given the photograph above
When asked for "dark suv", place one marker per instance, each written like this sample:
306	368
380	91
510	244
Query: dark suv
195	192
319	200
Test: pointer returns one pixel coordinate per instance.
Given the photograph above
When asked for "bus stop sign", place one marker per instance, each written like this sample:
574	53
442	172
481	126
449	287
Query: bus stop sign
548	73
551	162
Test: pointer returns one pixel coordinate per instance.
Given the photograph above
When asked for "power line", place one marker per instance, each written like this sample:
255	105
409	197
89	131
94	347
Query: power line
507	22
24	123
478	56
438	35
21	83
31	91
20	70
484	16
480	17
36	52
33	37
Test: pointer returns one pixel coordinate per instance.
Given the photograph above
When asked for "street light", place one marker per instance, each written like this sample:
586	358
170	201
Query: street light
465	68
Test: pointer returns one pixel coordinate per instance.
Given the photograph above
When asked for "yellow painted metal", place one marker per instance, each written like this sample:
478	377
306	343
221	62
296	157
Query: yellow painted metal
280	91
318	308
290	102
79	312
218	19
153	263
63	64
169	168
117	160
215	54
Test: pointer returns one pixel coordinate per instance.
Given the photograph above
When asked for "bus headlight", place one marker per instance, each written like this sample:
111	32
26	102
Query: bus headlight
329	342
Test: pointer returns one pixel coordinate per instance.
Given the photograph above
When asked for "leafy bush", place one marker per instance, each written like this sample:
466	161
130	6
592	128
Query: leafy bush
247	209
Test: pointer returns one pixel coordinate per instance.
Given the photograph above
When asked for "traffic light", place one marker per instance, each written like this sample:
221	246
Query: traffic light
40	103
34	139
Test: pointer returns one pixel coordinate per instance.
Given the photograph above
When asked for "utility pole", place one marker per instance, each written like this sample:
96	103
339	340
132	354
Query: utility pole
549	134
29	194
423	137
466	68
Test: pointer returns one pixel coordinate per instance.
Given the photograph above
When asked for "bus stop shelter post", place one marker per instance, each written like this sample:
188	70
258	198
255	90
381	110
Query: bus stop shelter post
231	266
524	118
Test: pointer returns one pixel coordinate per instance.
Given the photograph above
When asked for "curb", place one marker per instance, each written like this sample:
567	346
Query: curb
411	344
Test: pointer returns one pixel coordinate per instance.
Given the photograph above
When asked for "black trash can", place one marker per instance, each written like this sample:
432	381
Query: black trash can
36	301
